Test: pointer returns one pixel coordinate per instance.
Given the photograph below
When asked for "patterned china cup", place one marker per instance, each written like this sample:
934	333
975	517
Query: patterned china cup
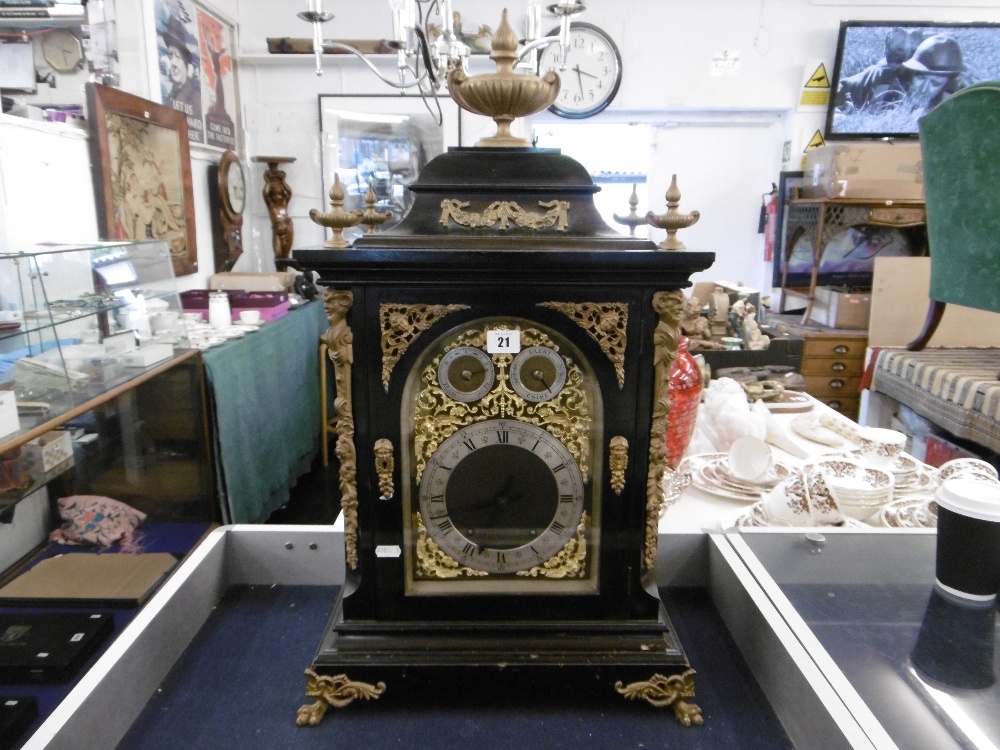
788	503
881	446
967	468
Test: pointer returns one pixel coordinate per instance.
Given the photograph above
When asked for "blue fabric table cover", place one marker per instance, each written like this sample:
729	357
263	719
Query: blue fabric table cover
265	410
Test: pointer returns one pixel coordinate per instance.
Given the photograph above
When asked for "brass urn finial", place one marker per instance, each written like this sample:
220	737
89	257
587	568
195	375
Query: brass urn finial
632	220
370	217
504	95
337	219
673	219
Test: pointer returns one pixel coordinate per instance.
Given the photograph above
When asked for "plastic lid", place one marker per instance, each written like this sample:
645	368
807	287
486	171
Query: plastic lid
971	497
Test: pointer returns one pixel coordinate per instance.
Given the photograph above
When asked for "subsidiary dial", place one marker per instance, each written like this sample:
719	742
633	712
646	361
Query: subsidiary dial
538	373
466	373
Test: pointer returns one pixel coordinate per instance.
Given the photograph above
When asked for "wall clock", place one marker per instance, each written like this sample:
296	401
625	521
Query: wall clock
501	372
62	50
227	199
593	71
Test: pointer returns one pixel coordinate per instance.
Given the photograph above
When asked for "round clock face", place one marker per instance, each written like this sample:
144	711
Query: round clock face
592	75
466	373
236	187
501	496
538	374
62	50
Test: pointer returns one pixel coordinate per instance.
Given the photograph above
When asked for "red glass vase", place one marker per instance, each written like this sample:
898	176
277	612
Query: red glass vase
685	395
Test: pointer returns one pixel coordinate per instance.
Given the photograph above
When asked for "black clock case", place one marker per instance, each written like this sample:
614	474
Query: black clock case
375	625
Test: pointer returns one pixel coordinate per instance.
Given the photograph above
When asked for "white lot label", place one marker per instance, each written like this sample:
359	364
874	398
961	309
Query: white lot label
503	342
388	550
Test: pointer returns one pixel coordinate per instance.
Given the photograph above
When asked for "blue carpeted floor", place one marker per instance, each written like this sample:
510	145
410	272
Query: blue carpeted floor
241	682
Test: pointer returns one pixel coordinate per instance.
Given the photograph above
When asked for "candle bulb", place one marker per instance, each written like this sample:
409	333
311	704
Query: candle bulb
398	26
448	21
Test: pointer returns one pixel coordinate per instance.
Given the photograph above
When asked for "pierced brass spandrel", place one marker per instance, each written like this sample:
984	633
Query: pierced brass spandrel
432	561
337	691
663	691
384	465
606	322
339	339
505	213
401	325
665	338
618	462
566	416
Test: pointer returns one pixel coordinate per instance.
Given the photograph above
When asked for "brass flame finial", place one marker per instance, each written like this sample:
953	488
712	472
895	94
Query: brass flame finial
337	219
632	220
504	95
370	217
673	219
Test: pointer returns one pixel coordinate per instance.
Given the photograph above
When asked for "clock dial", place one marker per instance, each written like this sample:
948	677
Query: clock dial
62	50
237	188
592	75
501	496
538	373
466	373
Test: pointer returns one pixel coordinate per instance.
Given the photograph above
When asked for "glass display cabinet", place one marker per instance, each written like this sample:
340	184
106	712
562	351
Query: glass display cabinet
83	329
915	667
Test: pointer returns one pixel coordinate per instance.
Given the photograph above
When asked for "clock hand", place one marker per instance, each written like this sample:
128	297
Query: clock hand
584	72
540	377
579	77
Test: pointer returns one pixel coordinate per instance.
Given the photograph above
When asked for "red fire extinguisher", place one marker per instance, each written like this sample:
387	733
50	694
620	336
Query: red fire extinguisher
770	209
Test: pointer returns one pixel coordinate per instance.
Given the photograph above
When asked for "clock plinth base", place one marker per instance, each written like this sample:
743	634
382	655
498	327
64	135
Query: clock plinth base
639	659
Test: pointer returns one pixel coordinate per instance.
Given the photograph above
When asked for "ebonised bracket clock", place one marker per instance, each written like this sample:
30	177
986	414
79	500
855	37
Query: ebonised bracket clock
500	359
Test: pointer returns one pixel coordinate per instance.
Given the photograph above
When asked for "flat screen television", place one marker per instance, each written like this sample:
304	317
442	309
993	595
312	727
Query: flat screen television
849	256
888	74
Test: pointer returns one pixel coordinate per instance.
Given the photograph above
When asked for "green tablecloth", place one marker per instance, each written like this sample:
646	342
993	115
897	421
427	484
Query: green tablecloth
265	409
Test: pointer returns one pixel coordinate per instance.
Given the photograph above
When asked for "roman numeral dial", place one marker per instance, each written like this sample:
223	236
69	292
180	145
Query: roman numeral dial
509	504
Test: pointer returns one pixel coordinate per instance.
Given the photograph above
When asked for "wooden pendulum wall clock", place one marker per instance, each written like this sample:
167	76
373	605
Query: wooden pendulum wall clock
501	359
227	200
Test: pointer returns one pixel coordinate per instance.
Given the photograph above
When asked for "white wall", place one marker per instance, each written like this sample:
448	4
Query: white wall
722	135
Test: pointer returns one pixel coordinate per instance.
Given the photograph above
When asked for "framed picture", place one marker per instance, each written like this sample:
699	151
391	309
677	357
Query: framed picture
888	74
382	140
142	172
195	71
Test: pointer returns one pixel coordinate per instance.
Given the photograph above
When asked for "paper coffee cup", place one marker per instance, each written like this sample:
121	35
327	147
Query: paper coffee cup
956	642
968	539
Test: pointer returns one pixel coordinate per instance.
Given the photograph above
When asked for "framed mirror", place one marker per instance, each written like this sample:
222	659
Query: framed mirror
383	140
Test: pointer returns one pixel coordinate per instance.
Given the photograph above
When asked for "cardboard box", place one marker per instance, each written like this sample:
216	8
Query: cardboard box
51	449
9	421
273	281
867	171
839	308
272	305
148	354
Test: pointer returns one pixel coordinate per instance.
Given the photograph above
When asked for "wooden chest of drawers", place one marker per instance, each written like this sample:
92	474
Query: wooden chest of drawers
832	363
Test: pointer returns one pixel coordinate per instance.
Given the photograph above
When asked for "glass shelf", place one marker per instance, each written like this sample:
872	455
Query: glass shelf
79	325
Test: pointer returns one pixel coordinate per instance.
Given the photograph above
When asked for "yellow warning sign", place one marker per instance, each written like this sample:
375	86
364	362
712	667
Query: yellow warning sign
815	142
819	79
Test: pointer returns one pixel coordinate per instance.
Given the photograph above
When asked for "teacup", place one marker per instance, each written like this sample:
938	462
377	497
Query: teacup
749	458
854	489
967	468
788	503
881	446
251	317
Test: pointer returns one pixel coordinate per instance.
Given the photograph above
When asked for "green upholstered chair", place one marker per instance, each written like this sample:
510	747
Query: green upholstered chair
960	142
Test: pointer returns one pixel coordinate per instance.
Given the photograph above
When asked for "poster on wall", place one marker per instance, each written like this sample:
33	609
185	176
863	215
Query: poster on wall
195	70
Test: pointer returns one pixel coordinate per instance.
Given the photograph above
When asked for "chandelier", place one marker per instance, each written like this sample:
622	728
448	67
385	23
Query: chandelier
425	64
